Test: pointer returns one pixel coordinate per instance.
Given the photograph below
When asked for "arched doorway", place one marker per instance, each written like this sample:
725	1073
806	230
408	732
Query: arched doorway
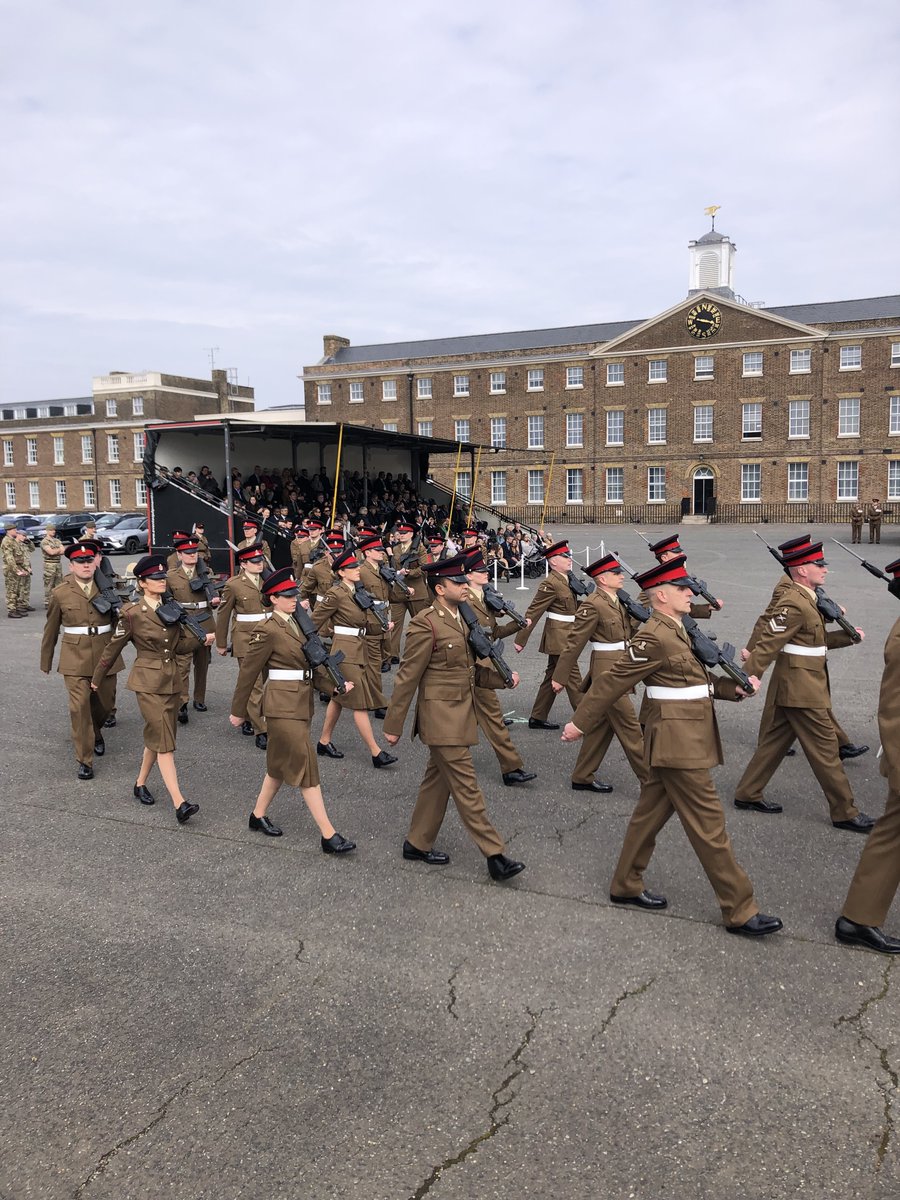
704	492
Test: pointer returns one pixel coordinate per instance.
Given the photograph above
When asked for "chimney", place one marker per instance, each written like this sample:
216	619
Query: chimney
220	379
332	342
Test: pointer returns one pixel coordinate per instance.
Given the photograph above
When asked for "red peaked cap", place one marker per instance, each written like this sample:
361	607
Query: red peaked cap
793	544
371	541
672	572
187	544
405	529
314	525
178	533
557	548
334	540
251	523
665	545
301	531
151	566
248	553
894	568
280	583
811	553
345	561
474	561
82	550
609	562
453	569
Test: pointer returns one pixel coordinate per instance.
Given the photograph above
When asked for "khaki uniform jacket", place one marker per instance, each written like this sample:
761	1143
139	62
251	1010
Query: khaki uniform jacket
239	597
276	644
299	555
339	608
381	590
414	579
678	733
552	596
195	602
203	549
600	618
889	710
80	652
15	555
488	619
51	544
315	579
266	548
155	669
438	662
857	515
798	680
874	513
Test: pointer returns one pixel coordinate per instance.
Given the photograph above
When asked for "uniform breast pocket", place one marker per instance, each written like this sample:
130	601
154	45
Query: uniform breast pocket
71	639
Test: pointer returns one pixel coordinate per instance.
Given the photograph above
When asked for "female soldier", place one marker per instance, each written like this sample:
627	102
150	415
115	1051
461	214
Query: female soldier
339	616
155	677
288	706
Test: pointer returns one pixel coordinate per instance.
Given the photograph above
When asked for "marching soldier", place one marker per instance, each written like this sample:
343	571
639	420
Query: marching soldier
488	713
299	549
877	876
195	601
52	550
555	597
177	535
338	616
203	550
874	513
240	609
794	638
317	577
438	663
155	678
371	547
667	549
253	534
857	516
681	744
16	573
411	574
276	648
603	622
85	636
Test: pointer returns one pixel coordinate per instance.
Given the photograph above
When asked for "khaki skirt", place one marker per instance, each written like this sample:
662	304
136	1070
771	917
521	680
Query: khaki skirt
160	713
290	755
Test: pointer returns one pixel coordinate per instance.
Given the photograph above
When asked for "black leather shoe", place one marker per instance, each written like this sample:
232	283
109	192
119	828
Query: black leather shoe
99	746
264	825
262	740
507	721
110	722
380	713
199	706
861	823
385	666
789	753
185	811
337	845
328	750
247	729
535	723
142	793
641	900
502	868
85	772
434	858
594	786
763	806
758	926
394	659
183	715
851	751
511	778
870	937
383	759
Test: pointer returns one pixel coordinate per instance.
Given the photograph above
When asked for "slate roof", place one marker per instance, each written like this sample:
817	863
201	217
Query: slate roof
832	312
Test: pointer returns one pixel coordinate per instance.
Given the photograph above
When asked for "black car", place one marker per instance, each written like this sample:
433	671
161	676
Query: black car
70	525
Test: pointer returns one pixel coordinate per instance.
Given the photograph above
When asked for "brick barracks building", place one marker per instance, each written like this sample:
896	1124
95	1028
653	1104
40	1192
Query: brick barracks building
715	406
86	453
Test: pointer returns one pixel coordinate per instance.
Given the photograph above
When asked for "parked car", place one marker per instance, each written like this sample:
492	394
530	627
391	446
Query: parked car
70	525
126	536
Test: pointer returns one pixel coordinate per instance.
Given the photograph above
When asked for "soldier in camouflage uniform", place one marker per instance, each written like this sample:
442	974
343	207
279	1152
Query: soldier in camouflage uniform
52	549
16	573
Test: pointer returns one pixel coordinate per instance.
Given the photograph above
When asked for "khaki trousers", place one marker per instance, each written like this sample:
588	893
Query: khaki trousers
692	795
875	532
769	710
855	532
450	772
254	703
399	609
489	716
200	660
878	871
18	589
814	730
621	721
543	701
87	712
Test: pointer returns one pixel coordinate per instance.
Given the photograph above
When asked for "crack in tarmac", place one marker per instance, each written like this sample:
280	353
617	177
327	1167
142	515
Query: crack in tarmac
888	1088
451	1003
626	995
496	1121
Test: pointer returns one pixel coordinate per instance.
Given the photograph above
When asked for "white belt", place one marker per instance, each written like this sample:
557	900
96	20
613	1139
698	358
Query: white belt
806	651
261	616
600	646
699	691
82	629
308	566
349	630
561	617
199	604
278	673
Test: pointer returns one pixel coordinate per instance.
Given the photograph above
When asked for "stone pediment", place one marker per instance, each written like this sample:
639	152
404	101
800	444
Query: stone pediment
717	321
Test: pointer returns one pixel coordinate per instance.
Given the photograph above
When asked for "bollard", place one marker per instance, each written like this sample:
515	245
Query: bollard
522	586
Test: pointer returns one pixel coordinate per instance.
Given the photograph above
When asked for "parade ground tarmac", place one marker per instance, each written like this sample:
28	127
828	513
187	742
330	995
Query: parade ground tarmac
204	1012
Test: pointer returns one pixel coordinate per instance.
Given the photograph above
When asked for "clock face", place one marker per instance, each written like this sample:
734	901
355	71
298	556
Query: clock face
703	320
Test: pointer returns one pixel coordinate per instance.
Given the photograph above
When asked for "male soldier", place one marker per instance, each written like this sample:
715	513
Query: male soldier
203	550
794	637
179	581
667	549
89	531
16	573
241	601
857	516
554	597
318	577
177	535
411	574
878	872
602	621
874	513
316	534
488	713
438	661
85	635
52	550
681	744
371	549
435	546
299	549
253	534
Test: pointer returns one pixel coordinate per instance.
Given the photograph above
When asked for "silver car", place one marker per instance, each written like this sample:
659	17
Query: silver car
126	537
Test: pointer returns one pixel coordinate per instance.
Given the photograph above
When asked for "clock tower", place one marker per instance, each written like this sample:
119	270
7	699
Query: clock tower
712	262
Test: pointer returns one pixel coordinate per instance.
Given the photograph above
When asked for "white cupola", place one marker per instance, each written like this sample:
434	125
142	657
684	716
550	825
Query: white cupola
712	262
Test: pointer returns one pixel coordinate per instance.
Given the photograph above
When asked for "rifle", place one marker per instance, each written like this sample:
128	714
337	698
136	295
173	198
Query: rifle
580	587
771	549
496	603
109	601
203	581
483	646
711	654
697	586
315	651
390	576
411	557
868	566
633	607
170	612
367	602
828	609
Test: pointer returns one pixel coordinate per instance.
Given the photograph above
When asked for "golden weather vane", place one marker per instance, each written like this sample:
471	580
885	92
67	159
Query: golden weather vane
711	212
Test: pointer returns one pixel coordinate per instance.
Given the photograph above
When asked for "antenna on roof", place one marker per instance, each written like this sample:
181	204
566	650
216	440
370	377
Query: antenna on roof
211	352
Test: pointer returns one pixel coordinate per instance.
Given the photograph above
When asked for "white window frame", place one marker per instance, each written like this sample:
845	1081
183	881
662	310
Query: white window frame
9	457
61	494
574	485
797	482
115	493
498	487
388	390
574	378
323	393
750	367
112	448
657	425
751	421
615	485
847	479
801	362
461	384
356	391
535	431
10	495
574	430
464	483
751	483
895	354
139	439
34	493
798	420
655	475
707	370
615	417
137	406
658	370
389	426
535	379
112	408
31	451
425	428
498	383
848	417
893	479
424	388
894	416
851	358
89	492
140	493
498	432
615	374
462	430
87	449
59	451
535	487
704	417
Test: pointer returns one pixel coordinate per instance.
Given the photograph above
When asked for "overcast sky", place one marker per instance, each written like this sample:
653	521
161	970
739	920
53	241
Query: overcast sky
196	173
